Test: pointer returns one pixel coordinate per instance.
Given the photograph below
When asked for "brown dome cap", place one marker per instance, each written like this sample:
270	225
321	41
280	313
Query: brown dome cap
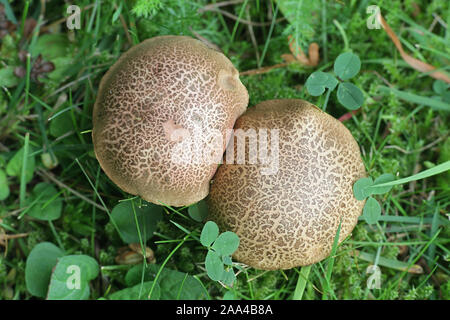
157	94
290	218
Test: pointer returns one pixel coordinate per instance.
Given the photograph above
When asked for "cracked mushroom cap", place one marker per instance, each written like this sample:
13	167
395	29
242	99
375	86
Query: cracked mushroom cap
288	216
158	118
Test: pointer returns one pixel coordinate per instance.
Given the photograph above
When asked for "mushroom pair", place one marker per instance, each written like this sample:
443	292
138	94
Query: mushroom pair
163	118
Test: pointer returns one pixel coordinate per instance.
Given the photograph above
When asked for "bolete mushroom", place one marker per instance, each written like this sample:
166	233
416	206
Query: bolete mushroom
289	215
161	116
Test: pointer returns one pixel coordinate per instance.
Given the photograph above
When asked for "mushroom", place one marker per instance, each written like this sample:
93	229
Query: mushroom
288	216
161	116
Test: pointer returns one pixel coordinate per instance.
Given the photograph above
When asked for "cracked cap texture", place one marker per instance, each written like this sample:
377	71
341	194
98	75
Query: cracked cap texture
290	218
149	106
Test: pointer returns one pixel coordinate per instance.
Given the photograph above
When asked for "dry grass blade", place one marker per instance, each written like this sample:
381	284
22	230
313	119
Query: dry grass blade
413	62
313	52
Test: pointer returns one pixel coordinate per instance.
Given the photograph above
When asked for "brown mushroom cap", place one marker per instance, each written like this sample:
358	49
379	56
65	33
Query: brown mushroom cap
150	104
290	218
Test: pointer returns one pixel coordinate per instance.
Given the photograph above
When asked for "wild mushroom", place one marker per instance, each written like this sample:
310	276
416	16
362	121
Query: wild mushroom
161	116
288	216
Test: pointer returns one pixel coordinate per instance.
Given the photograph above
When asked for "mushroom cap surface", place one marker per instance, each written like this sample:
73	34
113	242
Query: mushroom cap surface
151	107
289	217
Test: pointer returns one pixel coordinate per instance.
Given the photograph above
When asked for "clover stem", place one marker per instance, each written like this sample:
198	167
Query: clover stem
324	107
344	36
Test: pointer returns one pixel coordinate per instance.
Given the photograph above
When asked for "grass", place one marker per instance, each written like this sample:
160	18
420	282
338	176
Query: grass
402	128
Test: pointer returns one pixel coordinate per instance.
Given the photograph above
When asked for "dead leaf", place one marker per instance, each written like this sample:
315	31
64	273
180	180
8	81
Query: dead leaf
413	62
133	254
313	52
348	115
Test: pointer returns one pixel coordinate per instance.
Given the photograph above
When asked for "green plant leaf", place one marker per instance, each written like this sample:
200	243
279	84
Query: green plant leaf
14	167
147	217
446	97
38	268
9	12
61	123
173	284
347	65
4	186
8	78
51	46
214	266
439	86
386	177
229	295
226	243
117	13
198	211
44	202
209	234
62	68
229	277
318	81
371	211
70	279
138	292
350	96
227	260
360	190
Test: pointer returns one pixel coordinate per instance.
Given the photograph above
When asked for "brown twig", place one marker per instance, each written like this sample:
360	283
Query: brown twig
234	17
4	237
252	35
211	6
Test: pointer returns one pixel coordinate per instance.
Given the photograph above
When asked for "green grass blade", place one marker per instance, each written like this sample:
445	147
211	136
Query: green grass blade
23	180
266	45
331	259
390	263
301	282
421	175
414	98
